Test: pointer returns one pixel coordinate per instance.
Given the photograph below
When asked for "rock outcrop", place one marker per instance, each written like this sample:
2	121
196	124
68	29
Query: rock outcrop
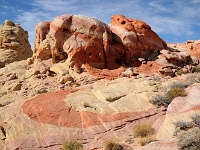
191	46
14	44
77	38
83	40
47	102
136	38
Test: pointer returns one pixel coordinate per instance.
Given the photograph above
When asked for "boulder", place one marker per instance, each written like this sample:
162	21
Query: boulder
14	44
79	39
136	37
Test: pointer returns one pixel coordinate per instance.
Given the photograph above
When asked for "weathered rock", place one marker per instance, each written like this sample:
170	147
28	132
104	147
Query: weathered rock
180	109
83	41
14	44
177	58
191	47
78	38
136	37
170	144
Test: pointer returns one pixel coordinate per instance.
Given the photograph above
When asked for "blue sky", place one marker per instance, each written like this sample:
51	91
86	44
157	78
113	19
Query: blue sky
175	21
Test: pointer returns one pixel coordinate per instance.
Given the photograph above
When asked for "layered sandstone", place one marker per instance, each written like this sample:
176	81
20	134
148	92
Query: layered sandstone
81	40
136	37
46	103
14	44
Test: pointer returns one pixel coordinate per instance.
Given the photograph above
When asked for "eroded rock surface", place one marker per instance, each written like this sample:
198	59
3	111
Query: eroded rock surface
14	44
45	103
136	37
81	40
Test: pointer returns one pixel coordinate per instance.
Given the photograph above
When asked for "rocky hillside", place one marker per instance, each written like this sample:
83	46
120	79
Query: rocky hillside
94	83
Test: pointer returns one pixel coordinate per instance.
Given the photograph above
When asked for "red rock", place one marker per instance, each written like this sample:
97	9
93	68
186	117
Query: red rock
84	40
78	38
50	108
150	68
135	36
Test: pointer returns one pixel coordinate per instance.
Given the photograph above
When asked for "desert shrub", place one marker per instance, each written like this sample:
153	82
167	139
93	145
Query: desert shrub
142	130
189	140
113	144
181	85
166	99
196	120
179	71
176	50
160	100
145	141
197	68
72	145
176	92
182	125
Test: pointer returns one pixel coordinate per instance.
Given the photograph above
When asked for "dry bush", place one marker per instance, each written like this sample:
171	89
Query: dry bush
181	85
176	89
196	120
189	140
197	68
72	145
143	130
145	141
113	144
160	100
182	125
176	92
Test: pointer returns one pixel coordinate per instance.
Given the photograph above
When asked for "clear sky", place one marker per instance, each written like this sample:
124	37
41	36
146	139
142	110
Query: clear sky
175	21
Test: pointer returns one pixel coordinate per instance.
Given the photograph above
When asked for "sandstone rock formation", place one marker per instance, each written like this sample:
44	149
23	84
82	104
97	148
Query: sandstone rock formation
191	46
84	40
136	37
14	44
45	103
78	38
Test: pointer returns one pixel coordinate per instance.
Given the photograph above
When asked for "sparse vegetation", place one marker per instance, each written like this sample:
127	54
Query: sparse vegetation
197	68
182	125
176	50
196	120
72	145
145	141
181	85
179	71
160	100
176	92
113	144
189	140
143	130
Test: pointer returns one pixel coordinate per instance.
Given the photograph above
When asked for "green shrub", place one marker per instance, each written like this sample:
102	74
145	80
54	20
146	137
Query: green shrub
113	144
189	140
176	92
72	145
143	130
